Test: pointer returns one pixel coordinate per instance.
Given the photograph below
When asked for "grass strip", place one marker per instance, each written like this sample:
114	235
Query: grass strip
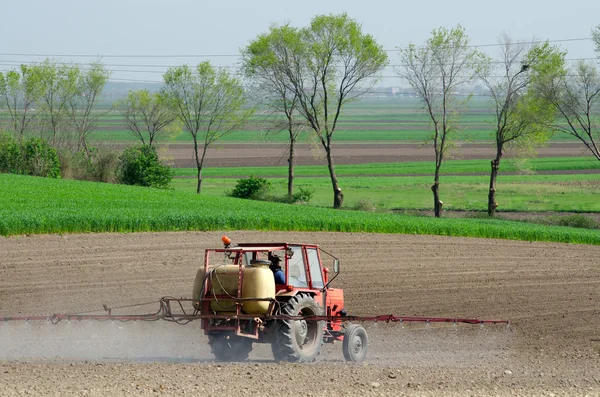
30	205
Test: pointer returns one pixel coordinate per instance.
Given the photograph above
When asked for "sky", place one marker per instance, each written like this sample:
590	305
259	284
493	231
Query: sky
139	39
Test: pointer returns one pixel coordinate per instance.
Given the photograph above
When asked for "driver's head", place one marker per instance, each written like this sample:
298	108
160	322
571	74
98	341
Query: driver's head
275	261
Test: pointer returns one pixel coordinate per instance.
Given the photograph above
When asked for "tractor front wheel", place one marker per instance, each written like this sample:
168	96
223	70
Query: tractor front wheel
229	347
356	343
298	340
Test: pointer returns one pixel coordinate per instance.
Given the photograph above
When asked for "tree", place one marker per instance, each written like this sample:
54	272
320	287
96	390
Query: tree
436	71
209	102
262	61
520	116
577	99
58	87
325	65
19	91
82	108
146	115
596	38
574	93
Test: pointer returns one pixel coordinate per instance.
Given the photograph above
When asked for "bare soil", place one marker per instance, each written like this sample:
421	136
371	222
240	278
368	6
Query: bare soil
550	292
255	154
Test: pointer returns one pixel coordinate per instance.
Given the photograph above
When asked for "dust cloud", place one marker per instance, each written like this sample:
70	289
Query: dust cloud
389	344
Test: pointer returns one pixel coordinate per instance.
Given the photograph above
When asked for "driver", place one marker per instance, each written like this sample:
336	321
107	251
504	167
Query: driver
276	268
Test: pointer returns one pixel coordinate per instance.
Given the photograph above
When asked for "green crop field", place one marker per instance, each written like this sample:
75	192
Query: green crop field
561	193
39	205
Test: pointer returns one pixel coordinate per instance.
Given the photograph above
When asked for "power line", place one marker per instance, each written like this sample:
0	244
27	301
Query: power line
5	62
238	55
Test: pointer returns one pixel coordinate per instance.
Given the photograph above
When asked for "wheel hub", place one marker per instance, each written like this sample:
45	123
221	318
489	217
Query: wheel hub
301	331
357	344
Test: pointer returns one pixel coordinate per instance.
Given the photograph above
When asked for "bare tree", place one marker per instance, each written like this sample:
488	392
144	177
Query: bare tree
520	116
208	102
436	71
274	87
596	38
146	115
575	95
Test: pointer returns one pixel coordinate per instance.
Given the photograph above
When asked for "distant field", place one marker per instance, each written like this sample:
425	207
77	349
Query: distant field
371	119
39	205
402	168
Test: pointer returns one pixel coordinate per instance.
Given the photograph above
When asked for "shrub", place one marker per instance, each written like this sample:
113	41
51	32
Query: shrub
33	156
576	220
140	166
303	195
40	159
99	165
11	159
251	188
364	205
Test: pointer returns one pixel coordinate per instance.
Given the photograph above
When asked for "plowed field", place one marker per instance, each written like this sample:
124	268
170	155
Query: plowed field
550	292
254	154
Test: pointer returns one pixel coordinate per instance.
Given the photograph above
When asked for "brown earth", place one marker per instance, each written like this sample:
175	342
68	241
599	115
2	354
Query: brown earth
550	292
254	154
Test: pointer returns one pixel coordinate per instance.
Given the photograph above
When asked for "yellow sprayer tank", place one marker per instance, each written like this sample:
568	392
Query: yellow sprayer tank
223	281
258	282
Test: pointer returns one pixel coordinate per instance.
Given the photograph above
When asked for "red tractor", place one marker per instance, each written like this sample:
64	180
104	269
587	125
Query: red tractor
273	293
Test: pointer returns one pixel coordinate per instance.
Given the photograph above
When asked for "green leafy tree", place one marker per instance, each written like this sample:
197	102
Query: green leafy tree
262	60
520	116
82	109
58	87
324	65
209	102
19	91
436	71
140	166
146	115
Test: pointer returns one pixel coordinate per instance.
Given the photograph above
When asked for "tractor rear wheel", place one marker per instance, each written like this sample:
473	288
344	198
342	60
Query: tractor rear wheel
355	344
229	347
298	340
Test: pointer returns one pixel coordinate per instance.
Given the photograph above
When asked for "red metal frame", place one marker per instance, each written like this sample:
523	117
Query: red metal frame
166	313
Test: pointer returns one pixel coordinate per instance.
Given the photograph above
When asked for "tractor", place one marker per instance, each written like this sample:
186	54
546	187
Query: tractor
240	302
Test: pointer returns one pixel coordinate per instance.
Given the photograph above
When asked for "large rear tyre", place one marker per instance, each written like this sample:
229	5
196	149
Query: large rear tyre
229	347
298	340
355	344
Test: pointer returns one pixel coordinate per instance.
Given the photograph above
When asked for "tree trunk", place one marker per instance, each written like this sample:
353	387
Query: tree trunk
338	196
199	162
492	204
199	186
291	161
437	203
